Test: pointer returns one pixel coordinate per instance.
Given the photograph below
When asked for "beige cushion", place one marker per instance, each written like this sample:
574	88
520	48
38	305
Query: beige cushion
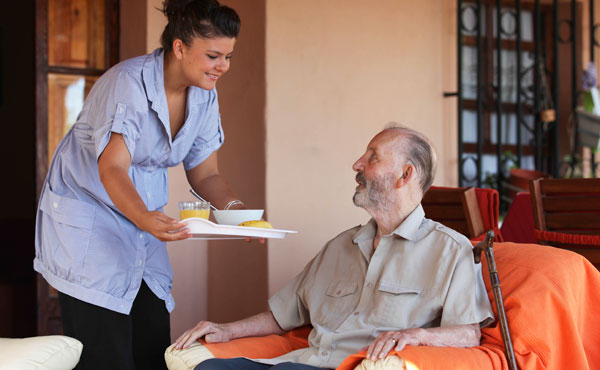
387	363
53	352
186	359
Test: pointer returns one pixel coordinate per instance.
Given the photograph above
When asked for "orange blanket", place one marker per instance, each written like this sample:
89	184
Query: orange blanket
551	298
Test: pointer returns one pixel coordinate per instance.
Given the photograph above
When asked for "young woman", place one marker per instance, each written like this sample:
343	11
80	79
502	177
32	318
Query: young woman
101	232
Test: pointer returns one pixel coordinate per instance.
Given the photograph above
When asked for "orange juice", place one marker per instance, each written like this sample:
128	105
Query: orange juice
200	213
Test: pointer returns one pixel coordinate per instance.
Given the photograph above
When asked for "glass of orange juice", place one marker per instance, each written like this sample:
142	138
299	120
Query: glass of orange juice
194	209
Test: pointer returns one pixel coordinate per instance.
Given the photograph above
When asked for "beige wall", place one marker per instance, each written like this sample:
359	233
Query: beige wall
337	72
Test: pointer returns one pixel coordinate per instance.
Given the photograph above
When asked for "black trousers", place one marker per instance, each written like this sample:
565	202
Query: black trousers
115	341
243	364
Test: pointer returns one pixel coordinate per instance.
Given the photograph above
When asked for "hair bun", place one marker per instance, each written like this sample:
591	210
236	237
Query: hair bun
173	8
197	18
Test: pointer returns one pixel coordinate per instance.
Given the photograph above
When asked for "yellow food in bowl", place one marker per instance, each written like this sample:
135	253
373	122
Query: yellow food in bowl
257	223
188	213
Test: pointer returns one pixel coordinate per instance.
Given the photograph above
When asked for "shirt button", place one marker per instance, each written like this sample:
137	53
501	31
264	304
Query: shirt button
148	194
356	313
338	292
141	236
55	205
139	262
370	285
324	353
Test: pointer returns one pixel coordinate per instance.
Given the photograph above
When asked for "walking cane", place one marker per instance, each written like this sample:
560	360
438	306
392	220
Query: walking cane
486	246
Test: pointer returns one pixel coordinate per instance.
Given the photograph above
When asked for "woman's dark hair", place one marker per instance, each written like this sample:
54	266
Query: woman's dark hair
197	18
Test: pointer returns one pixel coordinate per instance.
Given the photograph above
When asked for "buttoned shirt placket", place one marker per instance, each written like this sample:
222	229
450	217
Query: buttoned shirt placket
375	264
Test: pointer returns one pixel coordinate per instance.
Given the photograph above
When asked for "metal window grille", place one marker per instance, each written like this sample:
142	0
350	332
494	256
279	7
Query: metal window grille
517	61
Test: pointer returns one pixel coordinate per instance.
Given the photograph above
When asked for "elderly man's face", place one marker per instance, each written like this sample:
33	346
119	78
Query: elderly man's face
376	173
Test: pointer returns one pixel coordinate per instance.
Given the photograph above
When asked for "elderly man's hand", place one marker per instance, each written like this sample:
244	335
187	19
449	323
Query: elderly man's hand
385	342
212	333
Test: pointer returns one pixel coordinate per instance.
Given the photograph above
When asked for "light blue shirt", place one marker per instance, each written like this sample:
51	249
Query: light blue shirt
85	247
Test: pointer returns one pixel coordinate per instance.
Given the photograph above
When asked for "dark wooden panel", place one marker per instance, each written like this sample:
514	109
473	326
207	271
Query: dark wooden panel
456	208
568	203
442	196
460	226
437	212
17	279
589	186
572	221
17	311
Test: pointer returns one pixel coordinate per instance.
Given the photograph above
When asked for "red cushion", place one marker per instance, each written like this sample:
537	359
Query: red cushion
565	238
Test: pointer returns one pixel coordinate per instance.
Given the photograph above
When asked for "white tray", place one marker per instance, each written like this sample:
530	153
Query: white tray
207	230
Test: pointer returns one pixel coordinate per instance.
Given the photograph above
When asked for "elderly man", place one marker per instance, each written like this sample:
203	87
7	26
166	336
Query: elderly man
399	280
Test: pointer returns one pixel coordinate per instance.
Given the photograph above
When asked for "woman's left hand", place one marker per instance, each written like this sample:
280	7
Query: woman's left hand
163	227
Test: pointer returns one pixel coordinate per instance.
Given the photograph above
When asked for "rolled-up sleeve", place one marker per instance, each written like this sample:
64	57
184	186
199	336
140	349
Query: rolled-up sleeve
117	112
467	301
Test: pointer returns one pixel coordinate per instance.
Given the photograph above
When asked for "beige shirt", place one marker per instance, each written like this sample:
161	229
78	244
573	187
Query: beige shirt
421	275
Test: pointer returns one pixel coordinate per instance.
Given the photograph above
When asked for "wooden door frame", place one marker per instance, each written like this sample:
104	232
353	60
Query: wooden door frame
48	309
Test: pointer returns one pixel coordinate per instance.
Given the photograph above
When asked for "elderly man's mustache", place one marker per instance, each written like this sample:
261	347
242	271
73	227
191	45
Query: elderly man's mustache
360	178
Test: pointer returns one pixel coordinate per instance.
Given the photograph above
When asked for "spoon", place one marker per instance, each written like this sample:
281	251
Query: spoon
202	199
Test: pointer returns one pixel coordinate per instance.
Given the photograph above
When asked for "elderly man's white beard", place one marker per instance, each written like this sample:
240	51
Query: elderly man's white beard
377	195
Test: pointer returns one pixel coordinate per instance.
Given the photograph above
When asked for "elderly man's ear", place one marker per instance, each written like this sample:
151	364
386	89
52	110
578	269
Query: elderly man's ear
407	174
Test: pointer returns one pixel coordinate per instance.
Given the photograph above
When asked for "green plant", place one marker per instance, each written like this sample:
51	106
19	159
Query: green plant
571	167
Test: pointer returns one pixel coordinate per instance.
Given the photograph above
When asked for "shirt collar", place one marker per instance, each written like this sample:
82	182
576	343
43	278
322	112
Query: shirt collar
153	73
407	229
153	76
154	82
364	238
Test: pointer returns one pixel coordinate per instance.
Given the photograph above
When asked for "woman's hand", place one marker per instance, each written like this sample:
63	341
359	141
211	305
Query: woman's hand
163	227
260	240
212	333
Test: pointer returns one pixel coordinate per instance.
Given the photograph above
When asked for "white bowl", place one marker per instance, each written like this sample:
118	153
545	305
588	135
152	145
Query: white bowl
237	216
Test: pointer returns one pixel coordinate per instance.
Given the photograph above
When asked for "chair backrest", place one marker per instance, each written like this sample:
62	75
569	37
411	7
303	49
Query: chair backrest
567	214
519	180
456	208
566	205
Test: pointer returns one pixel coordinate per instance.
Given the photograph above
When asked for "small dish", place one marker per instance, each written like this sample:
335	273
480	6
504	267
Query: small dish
237	216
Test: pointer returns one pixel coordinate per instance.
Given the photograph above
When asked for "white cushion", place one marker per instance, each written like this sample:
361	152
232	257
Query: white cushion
186	359
387	363
53	352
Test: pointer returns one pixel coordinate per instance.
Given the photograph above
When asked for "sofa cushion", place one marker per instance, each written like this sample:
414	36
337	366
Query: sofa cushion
186	359
268	346
54	352
387	363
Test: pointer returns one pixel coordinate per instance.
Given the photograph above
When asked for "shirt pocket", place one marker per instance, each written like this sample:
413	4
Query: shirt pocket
69	233
341	289
339	301
396	303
